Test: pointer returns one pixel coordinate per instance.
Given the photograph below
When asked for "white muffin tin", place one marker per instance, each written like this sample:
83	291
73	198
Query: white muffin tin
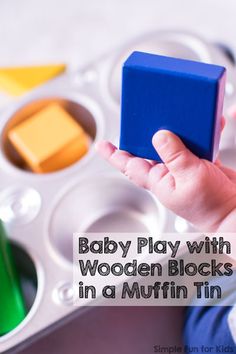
43	211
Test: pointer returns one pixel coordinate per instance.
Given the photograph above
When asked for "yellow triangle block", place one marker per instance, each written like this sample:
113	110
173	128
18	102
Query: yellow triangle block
18	80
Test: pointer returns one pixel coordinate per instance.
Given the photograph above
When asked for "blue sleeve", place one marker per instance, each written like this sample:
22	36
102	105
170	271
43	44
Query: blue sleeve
207	328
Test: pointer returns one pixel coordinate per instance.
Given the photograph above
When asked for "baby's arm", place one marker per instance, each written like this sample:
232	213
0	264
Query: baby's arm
213	326
198	190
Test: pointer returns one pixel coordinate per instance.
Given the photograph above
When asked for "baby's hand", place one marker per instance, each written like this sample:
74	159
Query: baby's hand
198	190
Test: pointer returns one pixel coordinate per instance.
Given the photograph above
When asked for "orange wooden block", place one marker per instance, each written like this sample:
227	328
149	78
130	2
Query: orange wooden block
49	140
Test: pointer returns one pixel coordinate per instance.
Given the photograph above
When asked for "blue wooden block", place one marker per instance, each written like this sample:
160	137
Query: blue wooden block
183	96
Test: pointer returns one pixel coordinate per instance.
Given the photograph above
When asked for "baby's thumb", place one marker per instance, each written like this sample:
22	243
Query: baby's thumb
177	158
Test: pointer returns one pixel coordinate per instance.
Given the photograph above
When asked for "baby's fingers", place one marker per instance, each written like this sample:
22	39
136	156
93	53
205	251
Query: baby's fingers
135	168
177	158
118	159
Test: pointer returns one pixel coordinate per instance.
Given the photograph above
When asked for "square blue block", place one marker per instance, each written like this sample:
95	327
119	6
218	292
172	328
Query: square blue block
183	96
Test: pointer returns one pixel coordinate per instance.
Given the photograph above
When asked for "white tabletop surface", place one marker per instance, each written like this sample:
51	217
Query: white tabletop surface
79	31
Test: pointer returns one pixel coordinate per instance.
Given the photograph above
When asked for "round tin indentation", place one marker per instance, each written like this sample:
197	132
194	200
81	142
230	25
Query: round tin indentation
64	294
108	204
167	43
19	205
228	52
88	77
76	110
28	277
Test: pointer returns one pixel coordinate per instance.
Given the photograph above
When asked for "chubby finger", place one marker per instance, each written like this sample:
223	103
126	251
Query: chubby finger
218	162
135	168
156	174
177	158
143	173
117	158
105	148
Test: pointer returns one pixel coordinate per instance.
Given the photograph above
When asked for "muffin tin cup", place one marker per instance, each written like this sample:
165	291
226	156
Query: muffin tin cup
29	271
178	44
85	111
88	196
106	204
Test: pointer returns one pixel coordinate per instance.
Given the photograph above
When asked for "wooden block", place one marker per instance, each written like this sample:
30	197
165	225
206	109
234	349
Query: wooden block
49	140
18	80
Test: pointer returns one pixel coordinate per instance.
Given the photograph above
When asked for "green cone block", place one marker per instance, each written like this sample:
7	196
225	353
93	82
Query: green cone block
12	307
